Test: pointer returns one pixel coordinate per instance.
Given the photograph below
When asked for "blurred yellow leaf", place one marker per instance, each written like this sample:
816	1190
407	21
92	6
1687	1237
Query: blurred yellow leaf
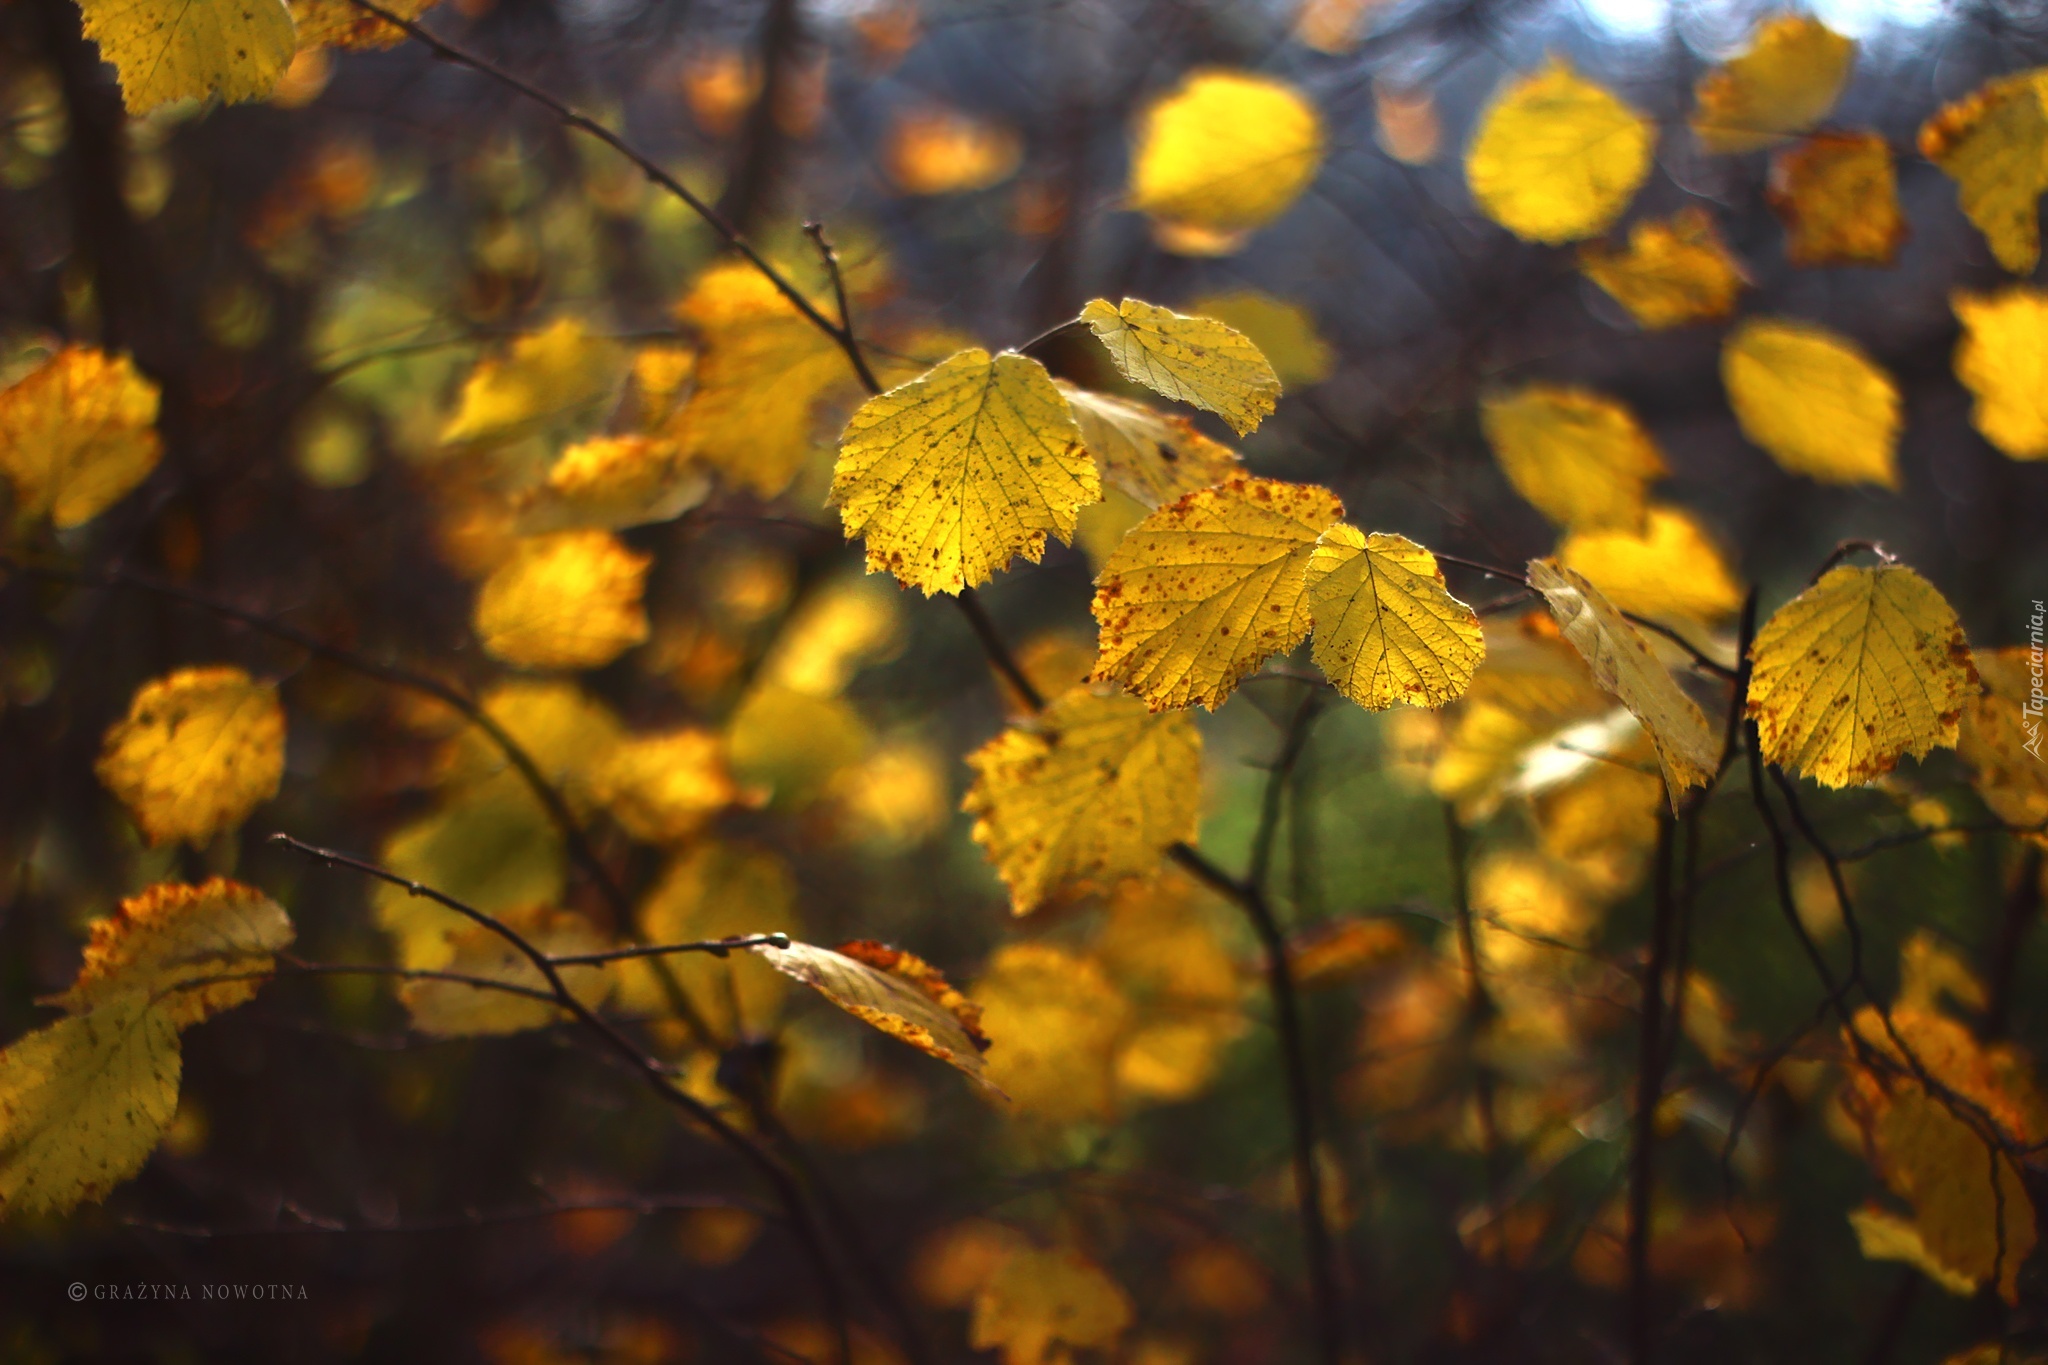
1524	694
85	1100
557	373
1091	791
1198	361
793	743
563	729
77	433
1206	589
1557	157
164	50
1994	145
1579	457
1788	79
1386	628
1839	198
198	750
717	889
567	600
761	374
954	473
1163	944
1864	668
1039	1301
1225	152
1148	455
898	993
1675	271
842	625
1623	666
932	150
2000	738
1885	1236
2003	361
171	934
612	482
1814	400
1339	951
339	23
665	787
1284	332
492	849
1673	568
454	1009
1056	1019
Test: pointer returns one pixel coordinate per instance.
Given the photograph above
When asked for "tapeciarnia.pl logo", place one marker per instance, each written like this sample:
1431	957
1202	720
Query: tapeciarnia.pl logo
2030	710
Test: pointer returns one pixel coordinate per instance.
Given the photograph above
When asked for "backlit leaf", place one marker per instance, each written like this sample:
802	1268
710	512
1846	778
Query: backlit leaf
1673	568
566	731
1579	457
1556	157
1225	152
2001	740
934	150
1284	332
1531	689
1864	668
1814	400
717	889
1152	456
172	934
198	750
2003	361
1056	1019
1206	589
77	433
1788	79
455	1009
1994	145
1839	198
567	600
666	787
1386	628
1198	361
166	50
1038	1302
1885	1236
761	374
1676	270
902	995
1091	791
553	375
956	472
342	24
1623	665
612	482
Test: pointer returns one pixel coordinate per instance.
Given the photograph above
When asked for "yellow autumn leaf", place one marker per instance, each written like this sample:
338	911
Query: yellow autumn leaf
1386	628
792	744
455	1009
1814	401
85	1100
1091	791
166	50
556	374
1579	457
665	787
935	150
493	849
2002	360
171	936
1057	1019
2000	740
761	374
1151	456
1039	1302
716	889
1994	145
610	483
566	732
1623	666
956	472
1225	152
1882	1235
567	600
1556	157
198	750
1673	568
1838	196
1864	668
898	993
1198	361
77	433
1530	690
342	24
1206	589
1284	332
1787	80
1675	271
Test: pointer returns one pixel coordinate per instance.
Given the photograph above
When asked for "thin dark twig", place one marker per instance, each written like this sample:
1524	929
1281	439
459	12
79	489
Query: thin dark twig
828	255
998	652
1649	1091
1479	1011
717	947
